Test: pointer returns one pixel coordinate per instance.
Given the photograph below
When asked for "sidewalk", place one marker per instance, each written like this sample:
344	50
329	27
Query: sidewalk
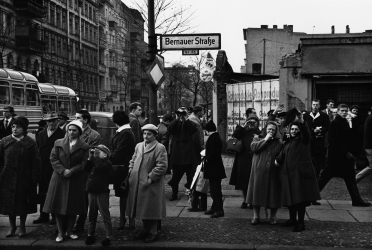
333	224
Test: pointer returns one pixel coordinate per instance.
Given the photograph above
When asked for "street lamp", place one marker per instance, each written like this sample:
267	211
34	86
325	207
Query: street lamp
171	92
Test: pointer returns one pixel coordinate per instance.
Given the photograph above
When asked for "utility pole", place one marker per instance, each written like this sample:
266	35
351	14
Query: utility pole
264	56
152	50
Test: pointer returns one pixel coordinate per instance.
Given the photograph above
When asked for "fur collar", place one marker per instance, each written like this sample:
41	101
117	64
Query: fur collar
26	142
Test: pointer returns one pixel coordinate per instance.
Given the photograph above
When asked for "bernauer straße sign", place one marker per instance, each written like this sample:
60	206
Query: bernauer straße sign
207	41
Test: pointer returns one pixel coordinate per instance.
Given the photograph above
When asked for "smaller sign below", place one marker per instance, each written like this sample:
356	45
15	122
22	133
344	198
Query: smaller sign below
190	52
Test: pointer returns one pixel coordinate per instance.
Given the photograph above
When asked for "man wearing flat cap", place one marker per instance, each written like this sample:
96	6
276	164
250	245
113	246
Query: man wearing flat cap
45	142
63	120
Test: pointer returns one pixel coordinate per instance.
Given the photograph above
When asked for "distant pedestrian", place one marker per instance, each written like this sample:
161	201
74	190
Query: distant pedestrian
143	120
367	145
147	169
135	112
264	188
242	165
164	136
65	195
6	123
42	125
330	105
340	162
297	176
99	167
214	169
63	120
20	170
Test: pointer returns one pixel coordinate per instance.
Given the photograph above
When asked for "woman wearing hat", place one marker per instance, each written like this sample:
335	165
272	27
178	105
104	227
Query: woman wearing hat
66	189
20	169
147	169
241	170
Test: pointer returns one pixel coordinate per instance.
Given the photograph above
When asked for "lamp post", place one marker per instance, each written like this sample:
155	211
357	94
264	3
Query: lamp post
171	92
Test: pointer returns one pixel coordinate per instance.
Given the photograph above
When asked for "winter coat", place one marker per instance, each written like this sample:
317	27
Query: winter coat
199	135
241	170
147	201
340	144
183	150
66	195
122	148
213	165
264	186
91	137
317	141
367	142
136	127
163	135
20	169
99	175
297	177
45	145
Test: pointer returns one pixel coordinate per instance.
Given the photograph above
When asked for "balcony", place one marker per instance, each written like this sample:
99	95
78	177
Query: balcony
106	1
27	40
112	25
135	36
114	88
113	70
103	42
102	19
102	68
30	8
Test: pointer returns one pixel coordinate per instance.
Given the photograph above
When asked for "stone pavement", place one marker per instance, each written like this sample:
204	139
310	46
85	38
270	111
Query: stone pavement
335	223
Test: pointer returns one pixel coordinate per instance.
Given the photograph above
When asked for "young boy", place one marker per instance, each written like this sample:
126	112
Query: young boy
97	187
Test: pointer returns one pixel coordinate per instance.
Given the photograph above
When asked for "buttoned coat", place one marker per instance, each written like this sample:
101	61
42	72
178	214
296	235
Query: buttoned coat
46	145
213	165
20	169
122	148
242	165
136	127
263	187
147	201
297	177
66	195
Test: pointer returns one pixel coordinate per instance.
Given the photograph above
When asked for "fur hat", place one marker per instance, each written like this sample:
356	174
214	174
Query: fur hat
150	127
78	124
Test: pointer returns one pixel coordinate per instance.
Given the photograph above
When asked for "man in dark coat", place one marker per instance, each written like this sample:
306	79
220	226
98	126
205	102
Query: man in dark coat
122	147
135	112
183	152
63	120
330	104
318	123
163	135
45	142
367	145
6	123
340	161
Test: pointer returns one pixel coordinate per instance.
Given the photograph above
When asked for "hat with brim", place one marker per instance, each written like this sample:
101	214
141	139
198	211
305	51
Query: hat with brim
282	114
253	117
150	127
77	124
50	116
104	149
63	115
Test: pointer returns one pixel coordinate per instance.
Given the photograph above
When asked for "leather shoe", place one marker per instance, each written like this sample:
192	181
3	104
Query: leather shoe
173	198
361	204
315	203
209	212
142	235
299	227
90	240
289	223
244	205
250	206
11	233
218	214
255	221
152	237
40	220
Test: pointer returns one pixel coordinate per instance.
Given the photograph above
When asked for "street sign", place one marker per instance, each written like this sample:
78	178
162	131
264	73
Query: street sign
156	72
190	41
190	52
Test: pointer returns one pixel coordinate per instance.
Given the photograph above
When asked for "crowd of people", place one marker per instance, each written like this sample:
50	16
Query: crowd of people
68	171
296	154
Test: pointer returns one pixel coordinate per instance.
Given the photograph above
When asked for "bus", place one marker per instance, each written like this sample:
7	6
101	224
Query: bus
33	99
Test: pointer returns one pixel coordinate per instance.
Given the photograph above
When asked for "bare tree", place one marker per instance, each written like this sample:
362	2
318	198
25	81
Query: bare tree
171	16
7	42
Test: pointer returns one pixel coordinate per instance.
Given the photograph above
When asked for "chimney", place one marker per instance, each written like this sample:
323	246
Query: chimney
285	26
333	29
347	29
290	28
275	26
264	26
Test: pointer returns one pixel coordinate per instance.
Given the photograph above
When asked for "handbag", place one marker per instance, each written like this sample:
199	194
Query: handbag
234	145
202	185
125	184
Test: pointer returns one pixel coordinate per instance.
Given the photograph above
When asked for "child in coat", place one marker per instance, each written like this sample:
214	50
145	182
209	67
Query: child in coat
98	190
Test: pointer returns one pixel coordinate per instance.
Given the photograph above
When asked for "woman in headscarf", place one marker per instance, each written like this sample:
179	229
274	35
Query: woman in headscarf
147	169
66	188
299	185
263	188
20	170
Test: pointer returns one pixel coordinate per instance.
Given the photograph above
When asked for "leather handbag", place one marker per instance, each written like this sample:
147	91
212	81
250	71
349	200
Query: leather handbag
202	185
234	145
125	184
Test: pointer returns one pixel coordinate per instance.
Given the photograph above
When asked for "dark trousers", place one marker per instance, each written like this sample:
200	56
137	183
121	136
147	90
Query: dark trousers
99	201
178	172
43	189
195	200
297	212
318	163
350	182
216	194
83	217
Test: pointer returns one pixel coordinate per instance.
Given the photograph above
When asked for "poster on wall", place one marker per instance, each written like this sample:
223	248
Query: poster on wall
230	110
242	103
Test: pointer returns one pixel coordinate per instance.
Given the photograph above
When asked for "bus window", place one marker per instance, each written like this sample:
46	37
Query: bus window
73	106
4	92
18	96
32	95
49	104
64	104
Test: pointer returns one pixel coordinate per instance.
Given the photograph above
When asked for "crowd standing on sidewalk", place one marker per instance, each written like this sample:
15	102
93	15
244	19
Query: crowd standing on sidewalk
67	171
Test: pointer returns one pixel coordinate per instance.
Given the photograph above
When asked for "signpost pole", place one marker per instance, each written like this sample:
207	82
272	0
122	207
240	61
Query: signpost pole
152	52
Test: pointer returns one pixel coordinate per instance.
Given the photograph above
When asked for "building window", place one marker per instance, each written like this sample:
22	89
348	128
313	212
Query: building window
71	18
64	20
52	45
58	18
59	48
52	17
64	49
76	25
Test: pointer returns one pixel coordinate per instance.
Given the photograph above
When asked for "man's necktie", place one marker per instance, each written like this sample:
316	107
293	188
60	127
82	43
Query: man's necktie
6	123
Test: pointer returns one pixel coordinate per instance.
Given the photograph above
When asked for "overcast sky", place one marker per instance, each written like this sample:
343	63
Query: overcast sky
230	17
